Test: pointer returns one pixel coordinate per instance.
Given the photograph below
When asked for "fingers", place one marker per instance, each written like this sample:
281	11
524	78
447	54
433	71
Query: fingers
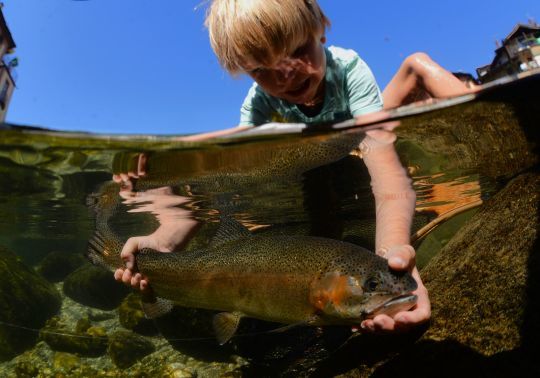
141	165
379	324
401	257
403	321
140	171
128	252
128	275
136	281
421	312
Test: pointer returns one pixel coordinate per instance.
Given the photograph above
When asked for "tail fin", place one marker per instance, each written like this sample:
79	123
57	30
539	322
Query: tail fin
104	252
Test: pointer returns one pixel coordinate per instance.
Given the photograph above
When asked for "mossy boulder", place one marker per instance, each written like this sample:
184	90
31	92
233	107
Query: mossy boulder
94	286
26	300
126	348
131	316
480	283
85	340
58	264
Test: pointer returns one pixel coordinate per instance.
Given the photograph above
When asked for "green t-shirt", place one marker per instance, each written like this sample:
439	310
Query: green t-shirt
351	90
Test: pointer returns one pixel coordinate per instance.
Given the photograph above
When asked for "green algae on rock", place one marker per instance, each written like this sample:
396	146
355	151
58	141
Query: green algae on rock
26	300
131	316
88	341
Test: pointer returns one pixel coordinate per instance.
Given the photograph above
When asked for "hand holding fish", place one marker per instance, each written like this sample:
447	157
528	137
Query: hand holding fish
402	258
129	275
395	202
175	230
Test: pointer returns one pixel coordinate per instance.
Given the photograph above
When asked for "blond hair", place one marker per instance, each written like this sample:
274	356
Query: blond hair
262	31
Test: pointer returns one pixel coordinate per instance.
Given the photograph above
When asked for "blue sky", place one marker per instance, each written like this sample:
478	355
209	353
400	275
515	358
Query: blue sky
146	67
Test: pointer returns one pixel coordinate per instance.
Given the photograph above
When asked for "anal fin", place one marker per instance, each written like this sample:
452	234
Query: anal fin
156	307
225	325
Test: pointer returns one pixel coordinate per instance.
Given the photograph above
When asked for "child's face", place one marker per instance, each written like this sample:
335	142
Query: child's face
296	78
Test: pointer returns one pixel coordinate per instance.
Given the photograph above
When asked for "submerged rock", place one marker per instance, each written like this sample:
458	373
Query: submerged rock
95	287
480	282
126	348
26	301
85	340
58	264
131	316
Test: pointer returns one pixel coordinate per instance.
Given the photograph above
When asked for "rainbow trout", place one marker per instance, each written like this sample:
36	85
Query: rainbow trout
285	279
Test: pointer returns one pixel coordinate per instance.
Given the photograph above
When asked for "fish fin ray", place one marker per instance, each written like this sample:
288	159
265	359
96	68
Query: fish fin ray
156	307
229	230
314	320
94	252
104	251
225	325
288	327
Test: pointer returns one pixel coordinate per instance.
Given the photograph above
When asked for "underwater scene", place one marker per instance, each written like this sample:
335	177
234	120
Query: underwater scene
253	220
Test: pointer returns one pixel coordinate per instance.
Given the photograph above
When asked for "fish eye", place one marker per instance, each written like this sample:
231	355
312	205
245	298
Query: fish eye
372	284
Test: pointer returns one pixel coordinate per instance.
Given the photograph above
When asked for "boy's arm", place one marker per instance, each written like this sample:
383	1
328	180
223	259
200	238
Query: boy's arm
395	198
213	134
395	203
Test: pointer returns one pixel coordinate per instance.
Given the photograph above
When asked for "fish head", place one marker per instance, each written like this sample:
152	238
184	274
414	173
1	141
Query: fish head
350	297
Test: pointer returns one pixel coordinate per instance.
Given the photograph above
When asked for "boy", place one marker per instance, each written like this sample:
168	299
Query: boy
280	44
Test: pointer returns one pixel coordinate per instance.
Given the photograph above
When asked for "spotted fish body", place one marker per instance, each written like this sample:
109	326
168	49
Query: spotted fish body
285	279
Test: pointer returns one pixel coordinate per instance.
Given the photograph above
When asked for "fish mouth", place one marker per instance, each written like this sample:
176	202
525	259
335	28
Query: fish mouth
393	305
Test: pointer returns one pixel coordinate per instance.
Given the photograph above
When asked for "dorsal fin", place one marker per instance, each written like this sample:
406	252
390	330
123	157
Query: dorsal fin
229	230
225	325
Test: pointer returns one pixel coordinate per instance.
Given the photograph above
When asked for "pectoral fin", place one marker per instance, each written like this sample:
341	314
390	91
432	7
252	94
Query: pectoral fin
225	325
156	307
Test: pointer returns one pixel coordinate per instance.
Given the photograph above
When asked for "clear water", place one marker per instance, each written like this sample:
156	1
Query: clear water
457	156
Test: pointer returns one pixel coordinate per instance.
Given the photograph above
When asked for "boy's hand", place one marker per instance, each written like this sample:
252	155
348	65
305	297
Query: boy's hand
176	228
402	258
140	171
129	275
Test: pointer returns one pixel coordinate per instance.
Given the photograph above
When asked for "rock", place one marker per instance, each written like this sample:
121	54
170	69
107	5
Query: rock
57	265
41	361
26	300
132	317
482	284
86	340
126	348
95	287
